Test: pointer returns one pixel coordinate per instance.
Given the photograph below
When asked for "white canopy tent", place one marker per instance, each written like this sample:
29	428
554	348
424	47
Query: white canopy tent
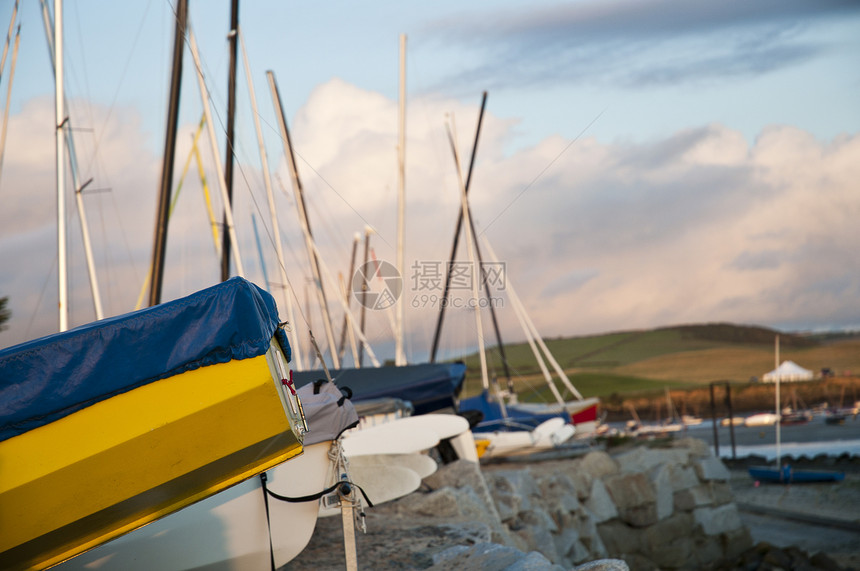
788	371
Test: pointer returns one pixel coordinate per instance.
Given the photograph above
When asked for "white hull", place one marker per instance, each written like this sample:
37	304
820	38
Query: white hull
548	435
227	531
763	419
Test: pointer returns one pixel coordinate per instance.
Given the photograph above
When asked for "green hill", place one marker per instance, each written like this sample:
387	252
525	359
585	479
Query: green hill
668	357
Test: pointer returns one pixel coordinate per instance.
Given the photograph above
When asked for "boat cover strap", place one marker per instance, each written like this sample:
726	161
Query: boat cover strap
318	495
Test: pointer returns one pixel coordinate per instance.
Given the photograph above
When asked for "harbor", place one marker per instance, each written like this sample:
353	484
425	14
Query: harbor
809	439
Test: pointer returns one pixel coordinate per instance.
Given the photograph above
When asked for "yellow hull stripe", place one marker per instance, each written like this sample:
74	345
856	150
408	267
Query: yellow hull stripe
112	467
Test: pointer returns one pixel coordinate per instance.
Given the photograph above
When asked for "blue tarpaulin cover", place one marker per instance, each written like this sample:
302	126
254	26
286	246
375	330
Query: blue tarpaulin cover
46	379
516	420
428	386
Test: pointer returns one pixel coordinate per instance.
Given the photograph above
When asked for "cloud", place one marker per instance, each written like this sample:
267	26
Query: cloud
635	43
698	226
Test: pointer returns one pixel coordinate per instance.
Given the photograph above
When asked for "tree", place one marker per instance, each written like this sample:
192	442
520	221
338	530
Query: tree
5	313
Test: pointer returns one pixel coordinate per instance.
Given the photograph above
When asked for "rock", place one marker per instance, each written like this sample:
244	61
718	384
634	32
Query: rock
555	488
718	520
661	478
710	468
460	474
736	543
824	562
697	447
634	496
777	558
506	496
519	483
603	565
675	512
620	539
490	556
706	550
642	459
540	539
681	477
600	504
669	543
449	505
590	538
721	493
598	464
692	498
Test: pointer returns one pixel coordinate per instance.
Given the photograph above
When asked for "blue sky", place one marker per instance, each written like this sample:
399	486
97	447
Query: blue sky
641	163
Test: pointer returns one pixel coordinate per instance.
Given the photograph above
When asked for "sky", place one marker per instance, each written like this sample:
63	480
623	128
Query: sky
639	163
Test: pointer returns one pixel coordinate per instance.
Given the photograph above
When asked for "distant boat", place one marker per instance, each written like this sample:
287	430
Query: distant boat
552	433
795	417
428	387
762	419
636	427
795	414
834	416
785	474
689	420
788	475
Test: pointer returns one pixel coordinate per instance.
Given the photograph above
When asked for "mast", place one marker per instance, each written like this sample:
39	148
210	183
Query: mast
73	167
231	124
160	241
286	288
9	36
445	292
480	261
342	346
11	78
303	217
60	122
464	202
400	356
778	414
364	288
228	210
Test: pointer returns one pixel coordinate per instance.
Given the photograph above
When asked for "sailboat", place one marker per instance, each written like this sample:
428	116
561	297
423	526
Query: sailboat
581	413
785	473
116	424
235	528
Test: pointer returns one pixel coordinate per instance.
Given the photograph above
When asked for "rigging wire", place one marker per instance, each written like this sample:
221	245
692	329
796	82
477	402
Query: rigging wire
253	199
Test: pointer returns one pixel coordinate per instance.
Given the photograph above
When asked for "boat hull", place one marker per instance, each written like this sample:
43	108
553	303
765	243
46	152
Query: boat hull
229	530
527	416
121	463
788	475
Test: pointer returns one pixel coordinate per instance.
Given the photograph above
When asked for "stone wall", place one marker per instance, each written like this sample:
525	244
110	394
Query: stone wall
644	508
667	508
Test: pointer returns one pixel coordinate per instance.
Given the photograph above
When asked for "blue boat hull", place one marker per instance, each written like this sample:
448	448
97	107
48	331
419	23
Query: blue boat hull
788	475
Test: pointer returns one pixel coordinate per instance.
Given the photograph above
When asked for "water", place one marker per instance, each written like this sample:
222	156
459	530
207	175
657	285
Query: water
796	440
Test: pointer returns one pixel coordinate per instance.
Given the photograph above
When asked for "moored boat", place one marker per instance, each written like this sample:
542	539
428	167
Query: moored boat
762	419
795	417
116	424
235	528
788	475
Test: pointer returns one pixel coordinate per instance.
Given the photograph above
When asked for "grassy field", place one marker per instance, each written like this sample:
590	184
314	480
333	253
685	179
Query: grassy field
645	362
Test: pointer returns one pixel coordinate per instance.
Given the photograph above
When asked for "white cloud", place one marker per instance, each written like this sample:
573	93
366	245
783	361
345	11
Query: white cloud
699	226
